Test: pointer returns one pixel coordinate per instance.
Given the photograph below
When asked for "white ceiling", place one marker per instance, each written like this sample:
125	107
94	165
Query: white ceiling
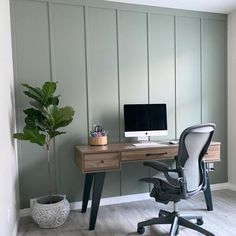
217	6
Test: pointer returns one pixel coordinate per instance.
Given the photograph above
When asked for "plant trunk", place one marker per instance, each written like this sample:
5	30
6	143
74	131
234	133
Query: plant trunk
49	173
47	146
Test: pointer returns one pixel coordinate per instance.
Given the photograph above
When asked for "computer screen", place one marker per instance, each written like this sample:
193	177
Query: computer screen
143	120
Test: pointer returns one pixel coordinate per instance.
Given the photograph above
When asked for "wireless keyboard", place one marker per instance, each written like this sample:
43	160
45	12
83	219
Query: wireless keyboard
175	141
145	144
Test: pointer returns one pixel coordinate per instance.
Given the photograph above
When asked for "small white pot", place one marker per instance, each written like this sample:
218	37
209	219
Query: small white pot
50	211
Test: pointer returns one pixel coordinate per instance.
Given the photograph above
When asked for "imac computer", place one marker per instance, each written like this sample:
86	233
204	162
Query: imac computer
145	120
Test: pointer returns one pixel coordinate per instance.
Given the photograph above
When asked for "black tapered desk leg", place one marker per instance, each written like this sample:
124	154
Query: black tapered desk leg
87	188
207	195
97	192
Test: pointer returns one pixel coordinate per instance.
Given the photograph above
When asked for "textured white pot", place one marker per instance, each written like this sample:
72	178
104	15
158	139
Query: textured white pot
50	211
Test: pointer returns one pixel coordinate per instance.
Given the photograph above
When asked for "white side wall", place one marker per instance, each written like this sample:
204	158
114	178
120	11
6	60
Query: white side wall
232	97
8	161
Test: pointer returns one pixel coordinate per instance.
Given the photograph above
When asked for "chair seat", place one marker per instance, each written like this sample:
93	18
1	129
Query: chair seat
165	192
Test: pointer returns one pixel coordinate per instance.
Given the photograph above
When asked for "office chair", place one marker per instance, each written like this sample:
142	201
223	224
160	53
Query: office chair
183	182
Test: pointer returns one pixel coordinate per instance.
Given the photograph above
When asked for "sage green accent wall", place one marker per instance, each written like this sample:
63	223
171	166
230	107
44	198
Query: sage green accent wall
105	55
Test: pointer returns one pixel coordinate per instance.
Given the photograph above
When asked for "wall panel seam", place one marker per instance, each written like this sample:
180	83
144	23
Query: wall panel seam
86	65
148	56
201	83
118	70
51	42
118	77
175	76
148	74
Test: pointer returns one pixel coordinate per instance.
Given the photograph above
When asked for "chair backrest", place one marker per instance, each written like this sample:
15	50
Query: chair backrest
193	144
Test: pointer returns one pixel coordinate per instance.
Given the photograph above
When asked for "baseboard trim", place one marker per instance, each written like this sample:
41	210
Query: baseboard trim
220	186
15	228
127	198
25	212
232	187
114	200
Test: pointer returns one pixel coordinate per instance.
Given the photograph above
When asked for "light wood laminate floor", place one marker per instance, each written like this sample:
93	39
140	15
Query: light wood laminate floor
122	219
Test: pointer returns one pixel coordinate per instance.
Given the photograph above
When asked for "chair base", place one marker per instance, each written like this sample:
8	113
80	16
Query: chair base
175	219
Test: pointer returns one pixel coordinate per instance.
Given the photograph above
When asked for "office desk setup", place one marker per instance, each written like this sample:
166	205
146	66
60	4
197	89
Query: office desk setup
95	161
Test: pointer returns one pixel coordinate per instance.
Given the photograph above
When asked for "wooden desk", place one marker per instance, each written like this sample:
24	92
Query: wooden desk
95	161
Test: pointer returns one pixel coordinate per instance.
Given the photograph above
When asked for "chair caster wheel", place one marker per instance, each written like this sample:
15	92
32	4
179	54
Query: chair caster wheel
199	222
161	215
140	230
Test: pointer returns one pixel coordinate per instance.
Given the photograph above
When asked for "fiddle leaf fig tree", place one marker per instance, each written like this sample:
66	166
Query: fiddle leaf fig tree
44	117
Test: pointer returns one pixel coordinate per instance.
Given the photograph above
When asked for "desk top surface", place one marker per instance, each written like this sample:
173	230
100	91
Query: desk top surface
119	147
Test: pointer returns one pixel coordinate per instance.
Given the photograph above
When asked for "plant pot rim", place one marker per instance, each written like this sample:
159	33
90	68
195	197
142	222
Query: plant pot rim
43	200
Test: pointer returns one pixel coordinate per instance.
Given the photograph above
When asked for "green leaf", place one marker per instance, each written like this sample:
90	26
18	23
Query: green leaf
37	105
30	121
36	90
35	97
34	135
35	118
62	117
42	125
55	133
33	112
48	90
21	136
34	93
54	100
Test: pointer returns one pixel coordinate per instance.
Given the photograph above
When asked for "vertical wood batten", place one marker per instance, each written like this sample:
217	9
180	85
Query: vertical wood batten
86	36
175	65
118	69
148	56
118	77
201	53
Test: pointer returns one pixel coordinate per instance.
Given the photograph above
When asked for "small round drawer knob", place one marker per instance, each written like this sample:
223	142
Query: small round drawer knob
102	161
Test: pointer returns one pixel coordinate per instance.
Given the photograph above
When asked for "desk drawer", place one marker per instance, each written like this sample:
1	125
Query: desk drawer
213	153
150	154
104	161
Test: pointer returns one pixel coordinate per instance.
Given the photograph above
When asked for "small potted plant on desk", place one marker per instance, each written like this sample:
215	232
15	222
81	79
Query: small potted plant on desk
98	136
42	121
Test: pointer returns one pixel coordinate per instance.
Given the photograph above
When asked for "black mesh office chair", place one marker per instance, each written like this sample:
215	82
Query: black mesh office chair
185	181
